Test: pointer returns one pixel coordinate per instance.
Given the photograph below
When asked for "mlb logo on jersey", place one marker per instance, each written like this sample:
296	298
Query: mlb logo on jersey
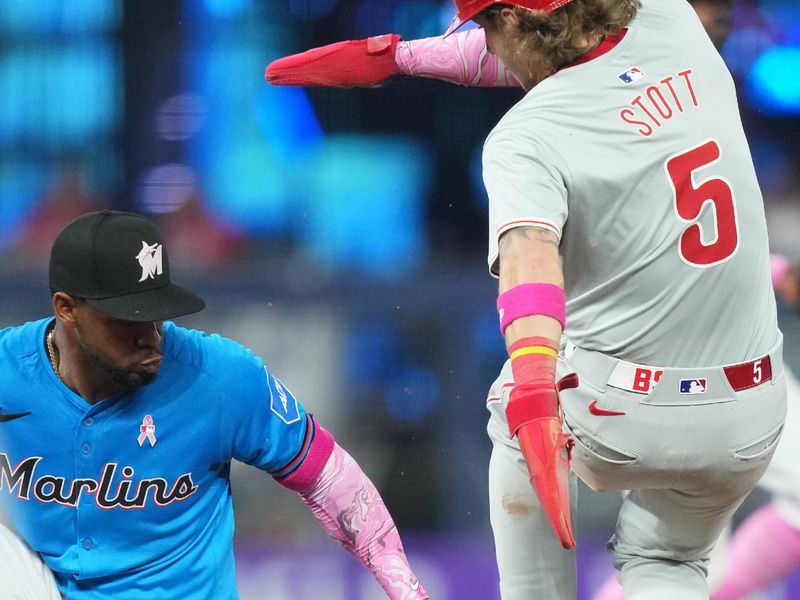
693	386
631	75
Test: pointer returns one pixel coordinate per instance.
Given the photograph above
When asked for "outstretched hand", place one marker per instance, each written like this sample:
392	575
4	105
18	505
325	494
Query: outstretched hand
354	63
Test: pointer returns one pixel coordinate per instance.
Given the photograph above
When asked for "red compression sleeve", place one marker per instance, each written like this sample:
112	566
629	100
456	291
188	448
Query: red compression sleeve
533	360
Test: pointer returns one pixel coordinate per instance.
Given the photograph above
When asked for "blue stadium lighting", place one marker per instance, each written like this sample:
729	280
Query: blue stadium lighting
782	16
476	179
297	131
372	18
486	334
418	20
59	92
254	175
365	204
57	97
773	84
412	395
311	9
21	186
370	351
772	163
227	8
743	47
59	16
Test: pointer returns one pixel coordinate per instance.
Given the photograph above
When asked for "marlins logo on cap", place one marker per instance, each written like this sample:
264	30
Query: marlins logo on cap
117	263
149	258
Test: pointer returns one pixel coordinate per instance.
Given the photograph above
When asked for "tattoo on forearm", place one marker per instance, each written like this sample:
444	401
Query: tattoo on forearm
532	233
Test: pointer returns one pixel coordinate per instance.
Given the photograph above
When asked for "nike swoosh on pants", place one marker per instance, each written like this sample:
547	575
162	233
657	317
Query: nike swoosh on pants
601	412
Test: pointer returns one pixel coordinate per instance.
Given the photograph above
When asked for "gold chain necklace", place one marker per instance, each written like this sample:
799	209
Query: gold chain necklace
51	353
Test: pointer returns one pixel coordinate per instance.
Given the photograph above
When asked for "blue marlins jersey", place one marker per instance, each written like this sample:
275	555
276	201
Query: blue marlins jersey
130	498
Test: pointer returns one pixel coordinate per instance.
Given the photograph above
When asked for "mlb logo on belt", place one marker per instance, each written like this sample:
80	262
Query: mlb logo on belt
693	386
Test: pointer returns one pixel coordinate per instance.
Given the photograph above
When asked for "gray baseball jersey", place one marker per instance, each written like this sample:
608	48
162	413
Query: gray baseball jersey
647	178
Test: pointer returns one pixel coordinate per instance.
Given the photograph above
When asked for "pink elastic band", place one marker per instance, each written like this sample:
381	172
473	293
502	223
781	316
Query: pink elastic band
529	299
306	474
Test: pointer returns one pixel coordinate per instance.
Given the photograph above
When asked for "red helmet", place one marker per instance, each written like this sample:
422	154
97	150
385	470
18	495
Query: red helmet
467	9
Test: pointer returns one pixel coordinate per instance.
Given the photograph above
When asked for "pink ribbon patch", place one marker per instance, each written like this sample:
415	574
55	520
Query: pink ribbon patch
147	431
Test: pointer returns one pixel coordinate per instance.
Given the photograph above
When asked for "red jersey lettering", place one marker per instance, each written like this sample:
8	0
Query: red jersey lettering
660	103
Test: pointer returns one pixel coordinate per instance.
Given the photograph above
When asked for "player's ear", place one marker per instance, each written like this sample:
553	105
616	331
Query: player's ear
64	307
509	15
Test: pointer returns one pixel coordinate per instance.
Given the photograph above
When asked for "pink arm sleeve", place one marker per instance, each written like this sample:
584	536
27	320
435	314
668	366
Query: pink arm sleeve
460	58
351	511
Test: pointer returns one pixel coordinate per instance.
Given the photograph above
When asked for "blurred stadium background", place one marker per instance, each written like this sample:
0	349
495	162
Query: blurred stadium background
339	233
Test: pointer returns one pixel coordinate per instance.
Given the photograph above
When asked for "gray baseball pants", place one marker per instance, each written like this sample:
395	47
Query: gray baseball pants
689	460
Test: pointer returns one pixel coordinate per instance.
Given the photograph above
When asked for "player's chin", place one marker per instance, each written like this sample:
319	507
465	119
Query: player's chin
145	376
138	378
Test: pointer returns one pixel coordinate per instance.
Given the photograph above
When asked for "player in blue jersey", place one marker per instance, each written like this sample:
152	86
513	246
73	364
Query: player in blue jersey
118	428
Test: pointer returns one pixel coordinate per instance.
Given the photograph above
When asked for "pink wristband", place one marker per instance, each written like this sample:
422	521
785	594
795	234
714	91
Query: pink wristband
302	472
531	299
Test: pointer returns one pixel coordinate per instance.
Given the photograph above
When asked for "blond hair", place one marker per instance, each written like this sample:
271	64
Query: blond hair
546	42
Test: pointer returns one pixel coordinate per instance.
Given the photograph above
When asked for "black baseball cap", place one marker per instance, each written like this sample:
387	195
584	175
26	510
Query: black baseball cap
117	262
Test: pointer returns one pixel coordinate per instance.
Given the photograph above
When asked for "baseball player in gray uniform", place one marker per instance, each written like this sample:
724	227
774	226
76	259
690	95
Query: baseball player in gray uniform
628	235
631	163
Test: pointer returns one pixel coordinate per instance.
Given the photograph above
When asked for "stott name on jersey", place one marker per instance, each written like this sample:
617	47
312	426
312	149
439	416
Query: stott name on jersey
670	97
50	488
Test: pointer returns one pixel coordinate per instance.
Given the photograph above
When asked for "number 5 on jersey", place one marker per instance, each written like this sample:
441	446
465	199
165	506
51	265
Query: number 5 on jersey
690	198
